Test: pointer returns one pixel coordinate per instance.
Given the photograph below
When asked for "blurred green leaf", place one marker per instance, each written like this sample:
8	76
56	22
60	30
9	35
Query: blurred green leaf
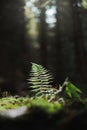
72	91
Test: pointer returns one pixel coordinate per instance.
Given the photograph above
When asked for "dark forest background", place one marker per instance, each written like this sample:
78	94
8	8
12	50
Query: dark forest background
52	33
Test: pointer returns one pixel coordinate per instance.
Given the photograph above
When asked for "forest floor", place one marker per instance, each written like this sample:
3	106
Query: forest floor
70	117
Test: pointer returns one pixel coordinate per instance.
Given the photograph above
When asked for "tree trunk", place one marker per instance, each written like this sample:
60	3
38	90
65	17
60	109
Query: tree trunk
79	43
58	47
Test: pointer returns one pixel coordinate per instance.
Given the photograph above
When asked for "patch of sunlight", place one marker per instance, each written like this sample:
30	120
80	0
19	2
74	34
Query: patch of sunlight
52	25
50	16
31	10
51	11
28	3
84	4
35	10
51	20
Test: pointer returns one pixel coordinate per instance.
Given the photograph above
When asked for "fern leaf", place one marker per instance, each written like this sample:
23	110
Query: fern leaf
40	79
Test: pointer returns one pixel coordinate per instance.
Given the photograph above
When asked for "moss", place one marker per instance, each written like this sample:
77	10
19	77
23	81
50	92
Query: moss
12	102
40	103
48	107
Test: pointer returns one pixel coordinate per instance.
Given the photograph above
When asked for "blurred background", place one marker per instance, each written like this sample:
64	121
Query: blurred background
52	33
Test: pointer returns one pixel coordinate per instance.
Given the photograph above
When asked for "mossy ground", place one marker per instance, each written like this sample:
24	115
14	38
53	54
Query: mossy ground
13	102
44	114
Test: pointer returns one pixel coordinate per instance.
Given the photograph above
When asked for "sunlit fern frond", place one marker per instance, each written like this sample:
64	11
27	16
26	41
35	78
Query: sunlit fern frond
40	80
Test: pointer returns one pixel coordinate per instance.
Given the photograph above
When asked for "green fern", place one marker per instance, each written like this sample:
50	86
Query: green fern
71	90
40	80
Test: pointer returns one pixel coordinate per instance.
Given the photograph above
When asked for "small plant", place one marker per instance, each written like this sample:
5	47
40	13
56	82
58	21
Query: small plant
72	91
40	80
43	95
41	85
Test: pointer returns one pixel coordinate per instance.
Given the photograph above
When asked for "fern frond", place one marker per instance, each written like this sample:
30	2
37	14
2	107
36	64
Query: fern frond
41	84
40	80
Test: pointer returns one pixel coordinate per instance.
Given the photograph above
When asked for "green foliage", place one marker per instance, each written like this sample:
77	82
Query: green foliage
12	102
40	80
39	103
45	97
84	3
46	106
41	85
72	91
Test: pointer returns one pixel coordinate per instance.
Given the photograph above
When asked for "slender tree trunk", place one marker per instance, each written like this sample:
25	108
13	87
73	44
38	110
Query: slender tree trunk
79	43
58	47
